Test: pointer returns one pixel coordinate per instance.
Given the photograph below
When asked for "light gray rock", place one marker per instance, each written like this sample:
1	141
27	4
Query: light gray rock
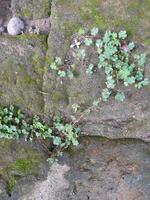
15	26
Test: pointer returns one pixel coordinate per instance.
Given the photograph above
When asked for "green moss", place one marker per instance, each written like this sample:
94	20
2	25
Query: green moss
70	28
46	7
57	96
26	166
90	11
64	2
26	12
146	41
5	144
140	8
37	63
11	182
28	80
35	38
129	25
26	163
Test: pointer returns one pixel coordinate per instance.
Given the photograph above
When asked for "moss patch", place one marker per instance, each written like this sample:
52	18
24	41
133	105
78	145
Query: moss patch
90	12
26	162
57	97
70	28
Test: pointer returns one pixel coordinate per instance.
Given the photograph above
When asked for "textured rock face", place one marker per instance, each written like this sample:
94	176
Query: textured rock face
98	170
21	66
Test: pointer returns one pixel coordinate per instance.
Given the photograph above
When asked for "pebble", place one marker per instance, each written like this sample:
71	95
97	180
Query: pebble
15	26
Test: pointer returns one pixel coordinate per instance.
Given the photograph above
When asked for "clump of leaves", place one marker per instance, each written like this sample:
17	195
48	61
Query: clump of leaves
15	125
62	70
120	65
116	57
11	123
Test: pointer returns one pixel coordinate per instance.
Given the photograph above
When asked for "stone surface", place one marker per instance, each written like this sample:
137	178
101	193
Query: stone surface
99	169
52	187
15	26
108	170
38	26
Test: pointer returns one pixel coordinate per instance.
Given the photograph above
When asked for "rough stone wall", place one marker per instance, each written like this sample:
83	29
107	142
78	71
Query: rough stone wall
26	82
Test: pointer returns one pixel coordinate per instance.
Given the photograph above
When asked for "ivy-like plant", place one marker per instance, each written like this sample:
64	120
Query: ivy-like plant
115	56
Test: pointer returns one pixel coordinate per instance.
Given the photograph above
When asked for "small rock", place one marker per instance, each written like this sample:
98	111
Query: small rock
15	26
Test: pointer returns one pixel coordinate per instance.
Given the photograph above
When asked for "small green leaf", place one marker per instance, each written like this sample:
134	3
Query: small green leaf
62	73
68	128
59	126
96	103
145	82
105	94
94	31
99	43
139	76
51	160
108	69
88	41
11	108
129	81
53	66
58	61
110	83
70	74
141	59
89	69
131	45
125	71
99	51
56	140
81	31
81	54
122	34
17	120
120	96
106	37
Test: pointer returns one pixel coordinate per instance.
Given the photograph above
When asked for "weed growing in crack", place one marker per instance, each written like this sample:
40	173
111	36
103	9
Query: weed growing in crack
14	124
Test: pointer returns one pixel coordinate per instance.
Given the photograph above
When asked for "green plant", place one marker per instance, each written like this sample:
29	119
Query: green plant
62	71
11	123
115	57
15	125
